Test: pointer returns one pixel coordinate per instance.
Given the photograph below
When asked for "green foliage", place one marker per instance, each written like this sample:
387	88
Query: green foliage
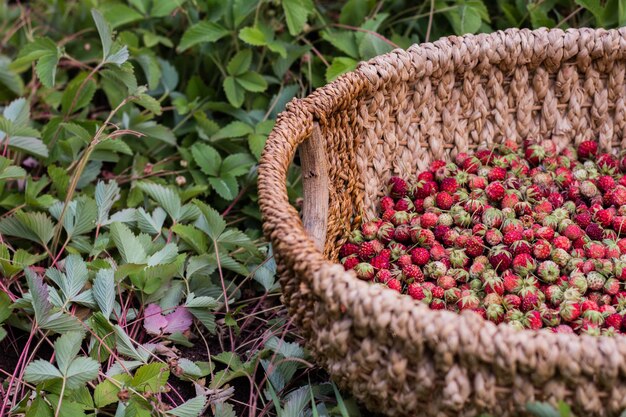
130	136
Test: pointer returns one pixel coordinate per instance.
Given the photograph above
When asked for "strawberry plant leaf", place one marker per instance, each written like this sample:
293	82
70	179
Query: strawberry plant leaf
252	81
131	249
81	371
66	348
165	197
542	409
234	92
207	158
151	377
106	195
203	32
225	185
191	236
104	291
39	371
151	224
214	224
296	14
104	30
224	410
240	63
190	408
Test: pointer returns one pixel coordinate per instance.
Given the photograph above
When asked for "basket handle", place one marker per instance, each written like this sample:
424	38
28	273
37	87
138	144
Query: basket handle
314	164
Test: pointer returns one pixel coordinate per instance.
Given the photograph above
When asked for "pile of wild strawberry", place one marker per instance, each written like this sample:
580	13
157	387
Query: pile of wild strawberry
517	234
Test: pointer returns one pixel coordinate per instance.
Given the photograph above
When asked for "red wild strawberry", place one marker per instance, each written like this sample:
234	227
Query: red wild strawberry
495	191
562	242
496	174
618	196
606	183
380	262
619	225
413	273
524	264
404	204
444	200
350	262
611	286
394	284
548	271
500	258
420	256
511	237
417	292
438	292
595	250
386	232
474	246
437	304
386	203
449	185
534	320
587	149
573	232
383	275
493	237
556	200
529	302
542	249
582	219
614	321
426	176
544	232
511	301
404	260
428	220
402	233
398	187
468	300
348	249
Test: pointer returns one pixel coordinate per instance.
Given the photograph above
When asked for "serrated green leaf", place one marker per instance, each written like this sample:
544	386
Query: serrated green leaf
234	92
151	377
234	129
66	348
46	69
119	14
342	40
60	179
190	408
18	112
192	236
214	223
240	63
164	8
225	185
252	36
106	391
81	371
39	408
165	197
34	226
149	103
296	14
236	164
106	195
151	224
339	66
30	145
207	158
125	346
9	78
202	32
78	93
252	81
104	291
39	371
104	30
131	249
155	131
164	256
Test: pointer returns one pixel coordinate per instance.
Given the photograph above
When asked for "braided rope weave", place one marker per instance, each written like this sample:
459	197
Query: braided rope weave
392	116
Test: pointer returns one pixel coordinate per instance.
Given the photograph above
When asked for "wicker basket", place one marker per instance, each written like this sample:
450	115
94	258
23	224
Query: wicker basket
392	116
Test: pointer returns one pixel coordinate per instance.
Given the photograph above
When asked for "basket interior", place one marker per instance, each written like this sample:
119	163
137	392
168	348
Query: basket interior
398	126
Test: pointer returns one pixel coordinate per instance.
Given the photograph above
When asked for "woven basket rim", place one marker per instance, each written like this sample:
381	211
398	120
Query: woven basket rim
282	224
